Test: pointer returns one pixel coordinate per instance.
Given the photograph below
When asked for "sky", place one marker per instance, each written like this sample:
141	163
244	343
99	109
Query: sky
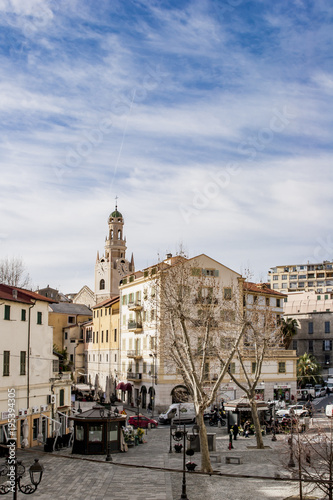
210	120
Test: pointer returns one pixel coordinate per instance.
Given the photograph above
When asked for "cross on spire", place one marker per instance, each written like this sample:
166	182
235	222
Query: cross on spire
116	202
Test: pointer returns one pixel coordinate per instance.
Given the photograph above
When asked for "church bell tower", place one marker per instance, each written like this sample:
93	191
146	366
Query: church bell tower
113	265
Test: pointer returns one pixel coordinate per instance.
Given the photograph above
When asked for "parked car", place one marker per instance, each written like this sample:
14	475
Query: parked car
142	421
299	411
320	391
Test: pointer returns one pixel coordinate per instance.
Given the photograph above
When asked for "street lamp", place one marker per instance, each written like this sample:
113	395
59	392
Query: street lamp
15	473
109	415
153	376
291	459
179	434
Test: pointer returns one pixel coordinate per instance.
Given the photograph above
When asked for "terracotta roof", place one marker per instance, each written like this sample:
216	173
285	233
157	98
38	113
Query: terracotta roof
107	302
262	288
24	296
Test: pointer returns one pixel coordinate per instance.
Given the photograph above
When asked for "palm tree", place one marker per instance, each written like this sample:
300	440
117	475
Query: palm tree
289	328
308	370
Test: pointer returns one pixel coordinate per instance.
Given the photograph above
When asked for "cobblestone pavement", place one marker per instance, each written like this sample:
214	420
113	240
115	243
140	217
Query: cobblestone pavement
94	479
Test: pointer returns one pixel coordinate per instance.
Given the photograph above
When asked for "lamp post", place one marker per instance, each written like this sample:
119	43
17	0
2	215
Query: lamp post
15	471
273	432
291	459
109	415
179	434
153	376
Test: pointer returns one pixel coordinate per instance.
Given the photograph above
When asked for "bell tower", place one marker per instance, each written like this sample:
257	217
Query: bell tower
113	265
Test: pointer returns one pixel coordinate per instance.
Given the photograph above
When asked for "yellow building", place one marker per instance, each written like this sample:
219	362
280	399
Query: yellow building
102	343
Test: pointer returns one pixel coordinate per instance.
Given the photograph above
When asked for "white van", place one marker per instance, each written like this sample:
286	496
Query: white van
329	410
178	412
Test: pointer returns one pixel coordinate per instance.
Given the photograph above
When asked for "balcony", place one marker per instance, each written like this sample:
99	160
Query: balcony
134	305
134	354
134	376
134	326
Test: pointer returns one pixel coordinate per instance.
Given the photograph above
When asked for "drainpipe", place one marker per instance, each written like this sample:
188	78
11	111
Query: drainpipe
28	357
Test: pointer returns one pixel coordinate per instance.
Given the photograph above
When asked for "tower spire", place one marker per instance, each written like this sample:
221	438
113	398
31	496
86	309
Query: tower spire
116	203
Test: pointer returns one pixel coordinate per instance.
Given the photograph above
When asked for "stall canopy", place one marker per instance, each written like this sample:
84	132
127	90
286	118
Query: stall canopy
242	404
128	387
82	387
120	386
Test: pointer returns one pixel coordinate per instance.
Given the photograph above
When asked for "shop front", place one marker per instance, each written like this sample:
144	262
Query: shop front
282	392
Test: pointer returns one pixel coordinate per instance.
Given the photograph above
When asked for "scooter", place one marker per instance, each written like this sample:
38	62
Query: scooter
215	419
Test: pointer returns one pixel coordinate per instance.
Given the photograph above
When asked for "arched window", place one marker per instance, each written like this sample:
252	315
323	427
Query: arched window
102	285
119	234
111	234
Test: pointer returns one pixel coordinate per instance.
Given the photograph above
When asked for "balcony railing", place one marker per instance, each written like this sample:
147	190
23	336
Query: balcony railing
134	354
134	325
134	376
134	305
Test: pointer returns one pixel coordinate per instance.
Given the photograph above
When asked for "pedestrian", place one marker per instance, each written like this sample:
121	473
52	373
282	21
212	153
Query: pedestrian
327	391
247	429
149	408
235	431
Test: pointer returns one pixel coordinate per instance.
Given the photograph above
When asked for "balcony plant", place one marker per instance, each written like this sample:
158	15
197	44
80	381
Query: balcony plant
178	447
190	466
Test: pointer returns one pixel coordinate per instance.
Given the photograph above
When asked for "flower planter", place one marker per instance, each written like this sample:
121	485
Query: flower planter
178	448
191	466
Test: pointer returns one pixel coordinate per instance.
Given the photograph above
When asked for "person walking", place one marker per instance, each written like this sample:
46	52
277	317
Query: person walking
235	431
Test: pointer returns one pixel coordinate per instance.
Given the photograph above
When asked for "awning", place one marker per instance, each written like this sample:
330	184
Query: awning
120	386
127	387
82	387
242	404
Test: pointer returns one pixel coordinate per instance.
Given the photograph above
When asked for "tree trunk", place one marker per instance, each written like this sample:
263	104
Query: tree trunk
205	458
256	423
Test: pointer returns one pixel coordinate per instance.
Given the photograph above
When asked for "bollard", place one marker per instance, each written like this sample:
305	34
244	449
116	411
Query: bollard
230	441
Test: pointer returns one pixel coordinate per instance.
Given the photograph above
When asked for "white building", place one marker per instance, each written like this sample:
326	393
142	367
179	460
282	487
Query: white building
29	368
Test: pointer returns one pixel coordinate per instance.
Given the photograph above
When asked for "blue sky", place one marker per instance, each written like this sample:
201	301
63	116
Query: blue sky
211	121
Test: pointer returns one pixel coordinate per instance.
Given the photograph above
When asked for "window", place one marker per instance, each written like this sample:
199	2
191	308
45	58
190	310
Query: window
102	335
101	312
196	271
144	367
295	345
39	318
23	315
282	367
71	358
71	319
310	327
102	285
255	299
7	312
232	368
278	302
310	345
55	365
107	336
227	293
275	286
253	367
327	345
115	334
62	397
96	337
107	358
93	337
267	301
23	356
284	285
284	276
66	335
318	296
327	327
275	277
6	358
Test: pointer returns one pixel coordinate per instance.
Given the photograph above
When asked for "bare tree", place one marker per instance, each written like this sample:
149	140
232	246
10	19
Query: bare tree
199	334
262	338
13	273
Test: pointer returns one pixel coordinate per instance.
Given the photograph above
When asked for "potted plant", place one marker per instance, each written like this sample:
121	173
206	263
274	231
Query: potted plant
190	465
178	447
